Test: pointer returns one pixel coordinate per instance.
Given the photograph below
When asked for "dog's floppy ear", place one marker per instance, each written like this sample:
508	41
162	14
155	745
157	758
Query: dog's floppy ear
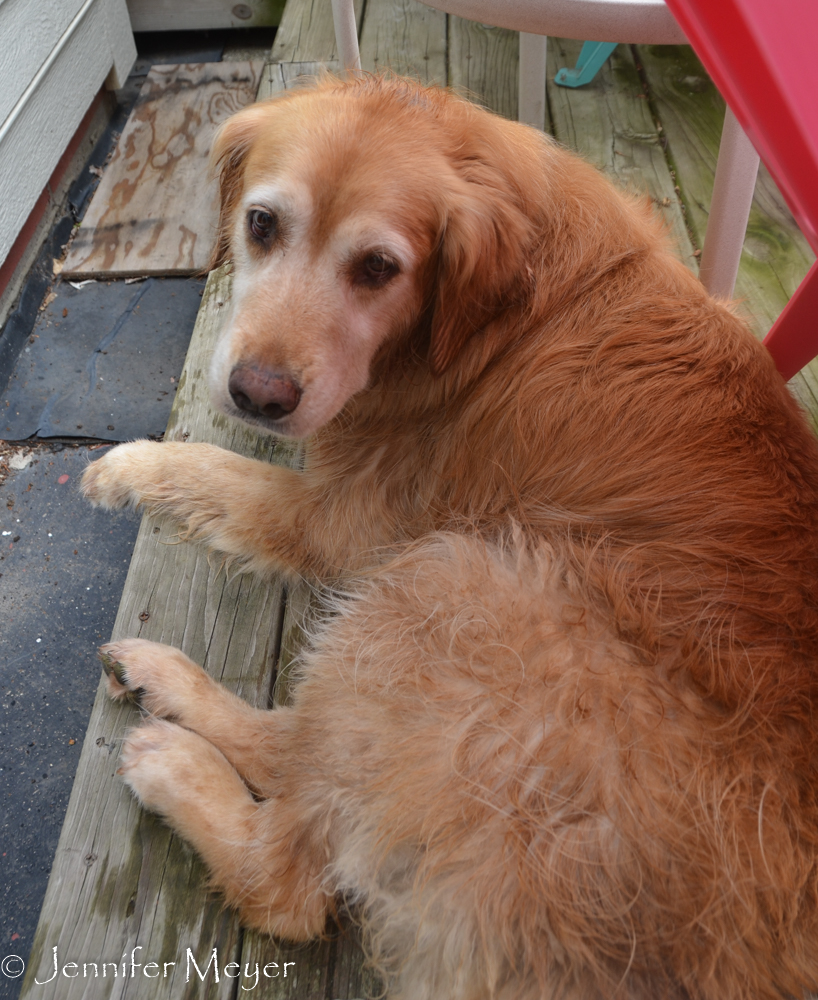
230	148
483	252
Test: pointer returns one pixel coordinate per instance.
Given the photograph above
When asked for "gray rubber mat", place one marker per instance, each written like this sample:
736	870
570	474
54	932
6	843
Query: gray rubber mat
103	362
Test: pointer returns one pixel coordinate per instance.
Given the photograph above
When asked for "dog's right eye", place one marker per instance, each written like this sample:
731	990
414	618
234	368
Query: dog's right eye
262	225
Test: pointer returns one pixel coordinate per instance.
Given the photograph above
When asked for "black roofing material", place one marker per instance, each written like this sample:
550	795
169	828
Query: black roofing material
104	361
62	569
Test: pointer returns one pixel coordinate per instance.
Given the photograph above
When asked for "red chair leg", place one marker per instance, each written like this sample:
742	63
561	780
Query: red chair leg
793	340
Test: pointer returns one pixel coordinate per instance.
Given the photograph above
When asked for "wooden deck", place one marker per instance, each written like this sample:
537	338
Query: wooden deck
120	880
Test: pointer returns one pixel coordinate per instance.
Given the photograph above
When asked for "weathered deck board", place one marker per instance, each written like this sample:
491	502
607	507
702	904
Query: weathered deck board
406	37
120	879
307	33
484	64
333	967
609	122
197	15
278	77
154	211
328	969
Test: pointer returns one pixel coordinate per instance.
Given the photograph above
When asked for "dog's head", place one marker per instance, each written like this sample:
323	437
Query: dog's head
357	215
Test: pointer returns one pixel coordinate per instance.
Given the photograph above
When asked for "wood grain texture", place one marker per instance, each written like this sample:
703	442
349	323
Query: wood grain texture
120	879
332	967
278	77
155	209
196	15
307	33
484	64
405	37
609	122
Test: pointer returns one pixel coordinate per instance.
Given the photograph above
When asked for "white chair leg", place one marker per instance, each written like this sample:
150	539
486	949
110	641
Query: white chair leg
531	100
736	173
346	35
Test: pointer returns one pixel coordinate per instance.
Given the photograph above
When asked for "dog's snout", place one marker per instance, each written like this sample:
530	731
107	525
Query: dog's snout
271	393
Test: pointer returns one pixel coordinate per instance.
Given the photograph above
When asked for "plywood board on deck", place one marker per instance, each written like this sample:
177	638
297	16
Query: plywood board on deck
155	209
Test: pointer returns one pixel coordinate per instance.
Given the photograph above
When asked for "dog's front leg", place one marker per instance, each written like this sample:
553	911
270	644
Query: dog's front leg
262	515
169	685
267	857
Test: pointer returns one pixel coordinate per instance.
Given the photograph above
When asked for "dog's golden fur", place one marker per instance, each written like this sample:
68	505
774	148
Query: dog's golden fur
560	737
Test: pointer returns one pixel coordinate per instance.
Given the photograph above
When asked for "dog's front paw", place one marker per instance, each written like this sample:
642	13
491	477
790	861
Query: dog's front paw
124	477
160	677
157	762
178	774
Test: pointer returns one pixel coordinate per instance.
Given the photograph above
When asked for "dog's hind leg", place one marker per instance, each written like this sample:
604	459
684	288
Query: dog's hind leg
170	685
266	858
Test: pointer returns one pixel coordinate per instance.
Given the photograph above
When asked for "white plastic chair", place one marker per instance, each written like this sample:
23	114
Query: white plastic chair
642	22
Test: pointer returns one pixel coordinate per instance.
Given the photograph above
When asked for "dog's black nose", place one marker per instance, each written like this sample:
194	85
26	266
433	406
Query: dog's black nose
271	393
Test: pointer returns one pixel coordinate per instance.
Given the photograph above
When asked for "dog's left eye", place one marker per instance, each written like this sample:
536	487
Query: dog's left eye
262	225
375	270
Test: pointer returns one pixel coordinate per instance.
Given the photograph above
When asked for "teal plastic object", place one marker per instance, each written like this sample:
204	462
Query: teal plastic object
589	63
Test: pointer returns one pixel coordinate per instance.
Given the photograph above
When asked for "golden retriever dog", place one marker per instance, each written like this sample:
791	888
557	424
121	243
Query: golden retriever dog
558	734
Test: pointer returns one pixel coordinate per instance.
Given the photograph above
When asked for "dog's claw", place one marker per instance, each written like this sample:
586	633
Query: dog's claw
112	666
117	682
